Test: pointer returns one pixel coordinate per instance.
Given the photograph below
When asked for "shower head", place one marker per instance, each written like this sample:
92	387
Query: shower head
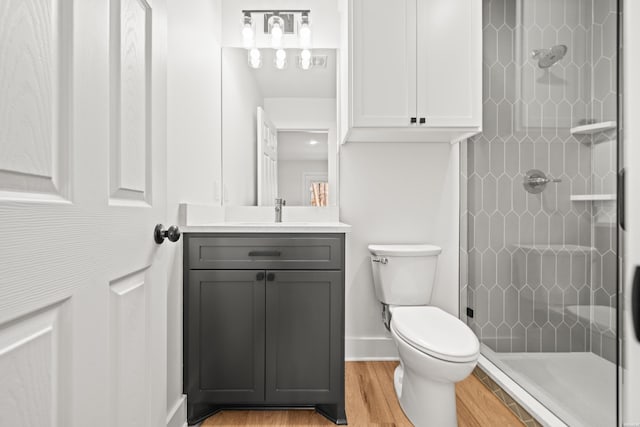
547	57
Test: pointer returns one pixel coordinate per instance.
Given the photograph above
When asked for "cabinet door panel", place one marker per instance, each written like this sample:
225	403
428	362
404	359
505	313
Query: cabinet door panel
384	62
305	337
225	323
449	80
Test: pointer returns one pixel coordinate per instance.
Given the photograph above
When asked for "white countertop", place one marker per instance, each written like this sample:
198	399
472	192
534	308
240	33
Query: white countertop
269	227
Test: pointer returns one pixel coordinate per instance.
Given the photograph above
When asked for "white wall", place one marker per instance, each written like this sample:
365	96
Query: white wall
309	113
193	148
291	179
241	96
396	193
324	20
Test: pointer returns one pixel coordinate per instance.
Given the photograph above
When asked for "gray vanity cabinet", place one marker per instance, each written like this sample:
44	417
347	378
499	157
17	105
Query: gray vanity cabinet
267	330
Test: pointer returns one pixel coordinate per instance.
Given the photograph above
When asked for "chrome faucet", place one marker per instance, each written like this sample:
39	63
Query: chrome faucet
280	203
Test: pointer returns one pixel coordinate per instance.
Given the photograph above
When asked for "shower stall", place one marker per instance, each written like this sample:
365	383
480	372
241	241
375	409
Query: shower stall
540	237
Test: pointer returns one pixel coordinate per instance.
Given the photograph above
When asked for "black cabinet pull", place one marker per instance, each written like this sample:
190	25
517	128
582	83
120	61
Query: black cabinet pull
635	303
423	120
620	197
260	277
413	120
265	253
271	277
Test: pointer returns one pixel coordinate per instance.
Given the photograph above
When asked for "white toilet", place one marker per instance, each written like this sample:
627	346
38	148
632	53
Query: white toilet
436	349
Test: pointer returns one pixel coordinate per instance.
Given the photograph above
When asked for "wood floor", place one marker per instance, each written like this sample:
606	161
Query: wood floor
371	401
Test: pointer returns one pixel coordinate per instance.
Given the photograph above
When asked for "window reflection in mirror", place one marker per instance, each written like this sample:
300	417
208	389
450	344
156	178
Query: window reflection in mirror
269	118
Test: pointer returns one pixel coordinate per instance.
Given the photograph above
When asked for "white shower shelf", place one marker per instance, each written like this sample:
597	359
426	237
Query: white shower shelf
592	197
593	128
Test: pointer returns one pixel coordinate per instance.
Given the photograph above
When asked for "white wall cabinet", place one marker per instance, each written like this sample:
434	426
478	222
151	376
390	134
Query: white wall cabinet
414	70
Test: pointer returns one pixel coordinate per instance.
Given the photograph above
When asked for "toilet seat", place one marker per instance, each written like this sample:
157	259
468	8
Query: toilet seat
436	333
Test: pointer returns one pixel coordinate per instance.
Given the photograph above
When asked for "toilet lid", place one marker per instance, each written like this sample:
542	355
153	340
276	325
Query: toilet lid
436	332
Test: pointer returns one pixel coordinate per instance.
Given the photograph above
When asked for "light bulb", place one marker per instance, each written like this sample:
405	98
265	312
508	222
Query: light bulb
247	35
305	54
255	60
276	34
281	59
305	35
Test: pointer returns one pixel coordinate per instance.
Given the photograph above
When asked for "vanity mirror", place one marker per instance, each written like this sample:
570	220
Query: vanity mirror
279	136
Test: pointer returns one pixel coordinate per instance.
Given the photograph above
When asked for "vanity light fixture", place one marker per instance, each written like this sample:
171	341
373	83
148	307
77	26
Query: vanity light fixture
277	25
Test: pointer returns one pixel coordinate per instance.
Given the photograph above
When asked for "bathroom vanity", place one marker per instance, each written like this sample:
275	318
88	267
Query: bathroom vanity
264	320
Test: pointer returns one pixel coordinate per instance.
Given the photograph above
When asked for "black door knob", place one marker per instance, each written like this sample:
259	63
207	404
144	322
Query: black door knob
173	234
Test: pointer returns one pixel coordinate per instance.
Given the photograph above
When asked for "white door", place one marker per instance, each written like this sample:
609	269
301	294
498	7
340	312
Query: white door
449	76
384	63
82	184
267	160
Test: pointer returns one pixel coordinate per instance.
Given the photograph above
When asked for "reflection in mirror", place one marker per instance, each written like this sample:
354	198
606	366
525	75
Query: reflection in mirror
269	118
302	167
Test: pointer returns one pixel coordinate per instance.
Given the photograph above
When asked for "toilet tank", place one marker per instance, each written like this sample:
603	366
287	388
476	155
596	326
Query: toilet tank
404	274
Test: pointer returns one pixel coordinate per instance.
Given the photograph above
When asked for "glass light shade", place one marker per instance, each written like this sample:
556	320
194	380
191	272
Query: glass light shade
305	35
247	35
255	58
276	35
281	59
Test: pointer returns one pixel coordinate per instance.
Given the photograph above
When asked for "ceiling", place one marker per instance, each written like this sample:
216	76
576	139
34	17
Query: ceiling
295	145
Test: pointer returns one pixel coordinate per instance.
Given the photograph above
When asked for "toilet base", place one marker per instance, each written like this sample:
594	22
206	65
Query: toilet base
425	385
426	403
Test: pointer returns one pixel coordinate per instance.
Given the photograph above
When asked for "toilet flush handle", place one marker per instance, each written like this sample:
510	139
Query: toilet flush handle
381	260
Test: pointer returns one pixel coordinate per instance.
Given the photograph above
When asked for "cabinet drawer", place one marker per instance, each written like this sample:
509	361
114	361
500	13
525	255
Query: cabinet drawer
309	252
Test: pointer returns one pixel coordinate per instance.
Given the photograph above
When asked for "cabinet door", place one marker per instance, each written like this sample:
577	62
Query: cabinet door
450	62
225	336
305	337
384	63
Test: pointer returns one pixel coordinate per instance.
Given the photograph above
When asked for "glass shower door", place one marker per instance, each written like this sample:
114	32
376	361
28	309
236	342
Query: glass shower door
539	204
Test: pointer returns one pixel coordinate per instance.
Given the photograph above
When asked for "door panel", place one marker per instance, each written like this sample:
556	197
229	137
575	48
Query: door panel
449	70
128	316
87	266
34	103
130	166
33	374
303	349
384	62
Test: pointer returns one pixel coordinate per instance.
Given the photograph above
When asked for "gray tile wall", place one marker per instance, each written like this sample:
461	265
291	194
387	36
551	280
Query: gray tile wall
525	255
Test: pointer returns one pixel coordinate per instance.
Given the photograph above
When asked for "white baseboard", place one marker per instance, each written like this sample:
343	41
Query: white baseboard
177	416
370	348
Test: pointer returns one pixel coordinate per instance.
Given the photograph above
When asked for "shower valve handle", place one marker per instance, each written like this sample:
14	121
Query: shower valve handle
535	181
541	181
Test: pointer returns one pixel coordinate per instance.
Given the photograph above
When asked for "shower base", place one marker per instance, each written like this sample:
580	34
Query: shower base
579	388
